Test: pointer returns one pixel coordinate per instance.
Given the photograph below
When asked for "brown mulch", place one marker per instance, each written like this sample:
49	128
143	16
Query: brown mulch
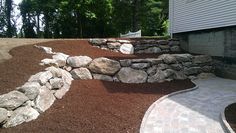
230	114
90	105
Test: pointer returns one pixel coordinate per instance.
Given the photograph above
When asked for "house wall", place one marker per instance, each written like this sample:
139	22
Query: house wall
192	15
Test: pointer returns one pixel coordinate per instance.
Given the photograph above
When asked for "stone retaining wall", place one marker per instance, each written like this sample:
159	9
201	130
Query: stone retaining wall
148	46
28	101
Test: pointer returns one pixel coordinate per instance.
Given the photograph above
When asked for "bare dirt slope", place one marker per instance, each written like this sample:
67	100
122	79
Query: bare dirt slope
6	44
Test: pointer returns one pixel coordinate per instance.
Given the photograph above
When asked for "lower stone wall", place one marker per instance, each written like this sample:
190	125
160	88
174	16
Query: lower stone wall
148	46
37	95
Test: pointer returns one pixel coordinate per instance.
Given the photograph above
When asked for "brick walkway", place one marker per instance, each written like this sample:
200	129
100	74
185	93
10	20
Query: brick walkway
195	111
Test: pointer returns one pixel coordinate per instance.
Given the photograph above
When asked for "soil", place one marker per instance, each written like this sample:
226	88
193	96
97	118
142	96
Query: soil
230	114
90	105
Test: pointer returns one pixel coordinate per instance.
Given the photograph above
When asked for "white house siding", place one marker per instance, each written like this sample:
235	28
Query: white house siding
192	15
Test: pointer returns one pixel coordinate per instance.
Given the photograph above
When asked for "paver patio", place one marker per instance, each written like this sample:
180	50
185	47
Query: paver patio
196	111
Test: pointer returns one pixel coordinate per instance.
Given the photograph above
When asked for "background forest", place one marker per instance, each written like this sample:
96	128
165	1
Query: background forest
83	18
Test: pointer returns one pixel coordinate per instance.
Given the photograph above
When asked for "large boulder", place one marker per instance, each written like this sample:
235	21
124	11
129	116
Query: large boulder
60	59
78	61
20	115
127	48
41	77
104	66
129	75
30	89
12	100
125	62
199	59
102	77
81	73
44	100
3	115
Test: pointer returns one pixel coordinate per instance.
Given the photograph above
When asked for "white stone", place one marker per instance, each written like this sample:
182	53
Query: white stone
30	89
66	77
48	50
56	72
49	62
60	59
41	77
12	100
44	100
78	61
123	41
56	83
129	75
104	66
62	91
81	73
3	115
20	115
127	48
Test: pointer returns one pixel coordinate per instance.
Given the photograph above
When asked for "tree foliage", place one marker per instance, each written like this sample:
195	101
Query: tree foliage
87	18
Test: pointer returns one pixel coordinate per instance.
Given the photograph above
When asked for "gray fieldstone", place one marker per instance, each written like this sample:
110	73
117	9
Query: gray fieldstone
160	76
20	115
199	59
30	89
123	41
113	45
152	70
104	66
66	77
151	50
127	48
205	75
164	47
129	75
3	115
163	66
175	49
56	83
49	62
62	91
79	61
12	100
60	59
81	73
98	42
183	57
56	72
163	42
168	59
179	75
176	67
192	70
41	77
174	43
44	100
140	65
102	77
125	63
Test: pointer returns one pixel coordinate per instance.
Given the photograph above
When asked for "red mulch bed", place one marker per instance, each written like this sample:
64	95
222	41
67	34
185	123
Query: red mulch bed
230	114
90	105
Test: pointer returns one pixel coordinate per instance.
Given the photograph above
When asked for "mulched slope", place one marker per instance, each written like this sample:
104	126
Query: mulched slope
230	114
17	70
90	105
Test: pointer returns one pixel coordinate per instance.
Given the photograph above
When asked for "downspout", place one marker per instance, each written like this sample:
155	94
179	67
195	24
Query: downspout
171	18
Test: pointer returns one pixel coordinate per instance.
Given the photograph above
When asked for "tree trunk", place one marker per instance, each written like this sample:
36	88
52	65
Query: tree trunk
135	6
38	26
8	6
